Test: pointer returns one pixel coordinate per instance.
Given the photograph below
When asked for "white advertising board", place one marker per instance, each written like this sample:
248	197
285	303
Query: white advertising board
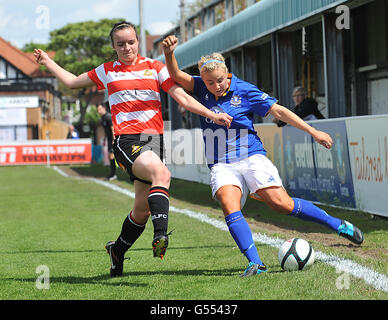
185	157
13	117
19	102
368	152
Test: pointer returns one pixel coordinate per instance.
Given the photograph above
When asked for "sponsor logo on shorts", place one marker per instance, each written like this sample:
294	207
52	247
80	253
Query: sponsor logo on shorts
136	148
271	179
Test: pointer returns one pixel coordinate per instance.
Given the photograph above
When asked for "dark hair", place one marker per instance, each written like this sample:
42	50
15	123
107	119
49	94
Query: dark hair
105	105
120	26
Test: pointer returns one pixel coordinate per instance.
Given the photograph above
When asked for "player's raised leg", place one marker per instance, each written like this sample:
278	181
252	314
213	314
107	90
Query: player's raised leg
278	199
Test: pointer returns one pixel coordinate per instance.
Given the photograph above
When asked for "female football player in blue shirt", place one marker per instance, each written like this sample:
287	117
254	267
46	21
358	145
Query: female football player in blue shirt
238	161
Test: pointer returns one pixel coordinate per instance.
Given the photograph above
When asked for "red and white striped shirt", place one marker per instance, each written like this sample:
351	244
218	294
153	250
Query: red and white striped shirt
134	94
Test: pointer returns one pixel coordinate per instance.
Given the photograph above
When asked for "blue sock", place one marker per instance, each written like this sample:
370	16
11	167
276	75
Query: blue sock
242	235
305	210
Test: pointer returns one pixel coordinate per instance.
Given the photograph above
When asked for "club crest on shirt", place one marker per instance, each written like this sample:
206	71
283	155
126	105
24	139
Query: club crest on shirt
147	73
235	101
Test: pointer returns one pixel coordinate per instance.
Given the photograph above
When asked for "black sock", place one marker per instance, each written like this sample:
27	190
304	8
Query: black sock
112	167
130	232
159	203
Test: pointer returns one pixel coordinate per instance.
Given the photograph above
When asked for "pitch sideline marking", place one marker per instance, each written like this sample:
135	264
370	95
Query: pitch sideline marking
377	280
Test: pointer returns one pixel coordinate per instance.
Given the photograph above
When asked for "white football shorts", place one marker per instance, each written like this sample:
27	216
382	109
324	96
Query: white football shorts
251	174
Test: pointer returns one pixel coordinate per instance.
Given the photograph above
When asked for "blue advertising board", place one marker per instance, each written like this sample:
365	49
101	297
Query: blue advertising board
298	162
315	173
334	172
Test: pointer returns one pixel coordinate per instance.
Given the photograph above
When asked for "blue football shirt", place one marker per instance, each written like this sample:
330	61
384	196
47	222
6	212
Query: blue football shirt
241	101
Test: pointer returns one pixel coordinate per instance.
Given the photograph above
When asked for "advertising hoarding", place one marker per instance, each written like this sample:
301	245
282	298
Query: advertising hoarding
46	151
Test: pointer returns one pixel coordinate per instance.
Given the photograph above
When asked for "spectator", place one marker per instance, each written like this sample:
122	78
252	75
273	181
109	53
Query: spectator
106	121
306	108
73	133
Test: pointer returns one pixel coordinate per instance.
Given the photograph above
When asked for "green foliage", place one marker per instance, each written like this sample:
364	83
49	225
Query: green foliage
83	46
92	115
195	6
29	47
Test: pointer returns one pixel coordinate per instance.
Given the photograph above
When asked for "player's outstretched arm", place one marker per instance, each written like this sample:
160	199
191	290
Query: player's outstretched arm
69	79
182	78
286	115
192	105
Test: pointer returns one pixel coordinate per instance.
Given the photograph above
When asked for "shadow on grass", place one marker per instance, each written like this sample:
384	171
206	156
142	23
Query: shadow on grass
235	272
99	279
103	250
105	279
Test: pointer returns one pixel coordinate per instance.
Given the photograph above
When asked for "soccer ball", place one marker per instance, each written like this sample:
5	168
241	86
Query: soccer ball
296	254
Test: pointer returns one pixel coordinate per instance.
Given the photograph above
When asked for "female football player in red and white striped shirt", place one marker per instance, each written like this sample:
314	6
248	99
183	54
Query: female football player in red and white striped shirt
133	83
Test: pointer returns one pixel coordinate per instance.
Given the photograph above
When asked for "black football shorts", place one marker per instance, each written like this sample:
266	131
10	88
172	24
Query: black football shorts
128	147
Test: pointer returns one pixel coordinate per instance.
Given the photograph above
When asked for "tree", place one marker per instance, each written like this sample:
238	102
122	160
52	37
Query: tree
29	47
195	6
81	47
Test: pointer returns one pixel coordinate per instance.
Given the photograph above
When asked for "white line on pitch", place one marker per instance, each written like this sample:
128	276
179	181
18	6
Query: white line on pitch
377	280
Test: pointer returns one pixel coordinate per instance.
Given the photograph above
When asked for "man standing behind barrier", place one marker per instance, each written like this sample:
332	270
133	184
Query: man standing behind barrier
306	108
106	121
73	133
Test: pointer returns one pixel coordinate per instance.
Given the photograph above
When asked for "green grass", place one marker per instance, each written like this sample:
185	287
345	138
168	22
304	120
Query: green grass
63	223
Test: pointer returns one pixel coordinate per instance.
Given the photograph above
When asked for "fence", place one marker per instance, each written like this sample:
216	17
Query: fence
352	174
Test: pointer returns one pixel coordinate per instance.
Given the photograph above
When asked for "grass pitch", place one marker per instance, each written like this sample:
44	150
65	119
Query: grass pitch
62	224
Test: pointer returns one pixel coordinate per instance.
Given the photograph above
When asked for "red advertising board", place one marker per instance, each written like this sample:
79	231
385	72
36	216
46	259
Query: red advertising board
46	151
